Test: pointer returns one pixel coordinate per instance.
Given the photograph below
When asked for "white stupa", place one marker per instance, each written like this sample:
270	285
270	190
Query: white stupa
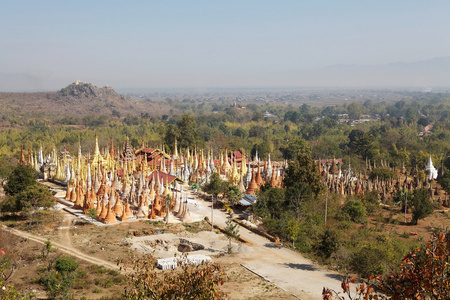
431	170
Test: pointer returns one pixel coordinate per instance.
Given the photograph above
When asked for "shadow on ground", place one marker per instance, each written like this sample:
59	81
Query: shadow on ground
335	276
270	245
305	267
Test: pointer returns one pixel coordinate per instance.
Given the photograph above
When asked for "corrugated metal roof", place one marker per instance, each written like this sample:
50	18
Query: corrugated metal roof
245	202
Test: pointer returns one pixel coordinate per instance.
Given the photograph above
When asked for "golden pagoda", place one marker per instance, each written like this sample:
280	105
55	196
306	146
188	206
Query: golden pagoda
110	216
97	158
99	207
252	187
123	216
259	180
234	175
68	191
118	207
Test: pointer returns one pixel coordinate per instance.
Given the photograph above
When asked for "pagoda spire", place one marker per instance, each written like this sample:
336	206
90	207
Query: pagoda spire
253	186
175	153
22	157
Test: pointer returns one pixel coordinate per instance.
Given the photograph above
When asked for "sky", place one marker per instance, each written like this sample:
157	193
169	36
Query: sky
46	45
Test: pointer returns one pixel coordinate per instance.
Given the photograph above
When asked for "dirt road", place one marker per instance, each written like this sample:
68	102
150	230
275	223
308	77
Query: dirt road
63	248
287	269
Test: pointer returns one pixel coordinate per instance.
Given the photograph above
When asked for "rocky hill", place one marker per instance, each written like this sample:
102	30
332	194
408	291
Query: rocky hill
77	100
80	91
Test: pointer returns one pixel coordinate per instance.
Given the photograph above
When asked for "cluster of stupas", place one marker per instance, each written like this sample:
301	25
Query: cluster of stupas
143	178
146	182
349	183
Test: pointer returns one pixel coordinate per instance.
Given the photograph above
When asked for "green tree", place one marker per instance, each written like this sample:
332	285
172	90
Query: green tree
257	116
171	133
328	243
46	249
368	260
421	205
270	203
234	195
353	210
294	147
354	110
296	195
292	116
6	166
293	227
303	169
31	198
232	231
187	127
215	185
20	178
66	265
445	181
447	162
262	148
240	132
60	279
257	131
382	174
361	143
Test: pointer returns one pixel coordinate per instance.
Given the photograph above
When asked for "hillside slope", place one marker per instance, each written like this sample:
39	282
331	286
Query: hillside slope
78	100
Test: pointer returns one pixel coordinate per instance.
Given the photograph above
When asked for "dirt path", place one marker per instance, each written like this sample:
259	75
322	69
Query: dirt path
287	269
63	248
64	233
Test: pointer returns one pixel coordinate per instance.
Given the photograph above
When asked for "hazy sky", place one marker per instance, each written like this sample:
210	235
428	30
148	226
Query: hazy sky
126	44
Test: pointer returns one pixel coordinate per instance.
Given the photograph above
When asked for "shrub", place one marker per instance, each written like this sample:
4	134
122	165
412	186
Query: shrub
98	269
191	282
382	174
367	261
421	205
353	210
328	243
66	264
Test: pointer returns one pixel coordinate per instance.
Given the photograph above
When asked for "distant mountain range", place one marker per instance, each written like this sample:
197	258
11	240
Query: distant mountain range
433	72
78	100
427	73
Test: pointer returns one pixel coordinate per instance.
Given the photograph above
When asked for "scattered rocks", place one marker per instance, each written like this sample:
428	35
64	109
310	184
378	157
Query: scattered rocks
185	248
188	246
140	232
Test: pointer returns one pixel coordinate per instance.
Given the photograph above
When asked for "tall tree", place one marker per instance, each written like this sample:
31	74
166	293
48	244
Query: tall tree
171	133
187	127
233	194
354	110
21	177
270	203
421	205
296	195
293	147
215	185
303	169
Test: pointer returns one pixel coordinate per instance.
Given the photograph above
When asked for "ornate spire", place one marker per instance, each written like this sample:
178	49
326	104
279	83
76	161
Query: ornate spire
22	160
259	180
252	187
175	152
110	216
